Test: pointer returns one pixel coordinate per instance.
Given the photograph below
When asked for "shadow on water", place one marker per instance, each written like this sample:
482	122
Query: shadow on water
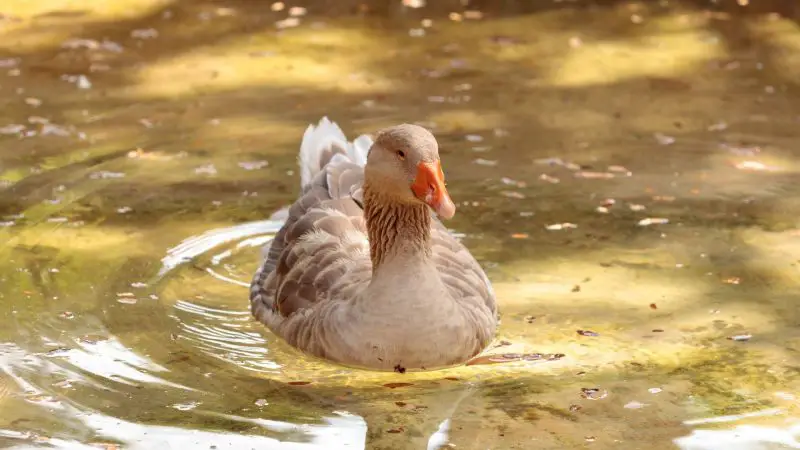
146	143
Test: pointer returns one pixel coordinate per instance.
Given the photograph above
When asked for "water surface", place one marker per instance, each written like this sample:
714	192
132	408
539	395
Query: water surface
626	172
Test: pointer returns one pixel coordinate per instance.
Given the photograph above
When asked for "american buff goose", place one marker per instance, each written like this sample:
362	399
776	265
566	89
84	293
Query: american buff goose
362	273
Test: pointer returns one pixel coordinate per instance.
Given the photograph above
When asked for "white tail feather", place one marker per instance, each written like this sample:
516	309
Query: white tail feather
318	139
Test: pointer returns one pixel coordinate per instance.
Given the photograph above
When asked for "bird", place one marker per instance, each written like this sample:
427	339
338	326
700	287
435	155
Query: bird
363	273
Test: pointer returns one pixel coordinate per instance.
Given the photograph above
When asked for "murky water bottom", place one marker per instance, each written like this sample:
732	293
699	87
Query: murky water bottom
627	174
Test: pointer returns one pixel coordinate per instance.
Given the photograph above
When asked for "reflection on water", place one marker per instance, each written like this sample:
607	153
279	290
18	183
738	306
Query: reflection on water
626	172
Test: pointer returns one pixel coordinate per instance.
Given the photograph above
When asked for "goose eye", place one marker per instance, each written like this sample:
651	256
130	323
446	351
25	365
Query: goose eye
401	154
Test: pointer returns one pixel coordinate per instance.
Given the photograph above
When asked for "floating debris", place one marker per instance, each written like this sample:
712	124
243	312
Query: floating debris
297	11
594	175
634	405
512	194
473	15
575	408
636	207
485	162
732	280
663	139
208	169
104	174
740	337
519	236
594	393
474	138
261	402
549	179
289	22
124	210
414	3
511	182
719	126
589	333
67	315
186	406
654	390
253	165
653	306
560	226
144	33
619	169
754	166
652	221
12	129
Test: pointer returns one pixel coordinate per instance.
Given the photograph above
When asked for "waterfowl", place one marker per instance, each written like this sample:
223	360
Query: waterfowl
363	273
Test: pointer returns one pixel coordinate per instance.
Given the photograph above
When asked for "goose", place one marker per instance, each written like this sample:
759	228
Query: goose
363	273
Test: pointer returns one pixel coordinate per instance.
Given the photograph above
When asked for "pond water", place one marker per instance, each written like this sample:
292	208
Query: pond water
626	172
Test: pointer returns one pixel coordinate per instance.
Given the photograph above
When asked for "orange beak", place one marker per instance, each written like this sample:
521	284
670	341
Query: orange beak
429	187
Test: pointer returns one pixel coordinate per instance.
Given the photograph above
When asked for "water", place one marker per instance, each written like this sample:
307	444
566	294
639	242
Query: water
628	170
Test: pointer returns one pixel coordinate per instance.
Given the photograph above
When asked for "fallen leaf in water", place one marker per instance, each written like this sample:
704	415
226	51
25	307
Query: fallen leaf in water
253	165
576	288
298	383
485	162
663	139
652	221
512	194
67	315
208	169
594	175
297	11
144	33
658	330
105	175
594	393
634	405
719	126
549	179
397	385
452	378
653	306
619	169
588	333
12	129
519	236
560	226
740	337
732	280
754	166
510	182
414	3
289	22
473	15
396	430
